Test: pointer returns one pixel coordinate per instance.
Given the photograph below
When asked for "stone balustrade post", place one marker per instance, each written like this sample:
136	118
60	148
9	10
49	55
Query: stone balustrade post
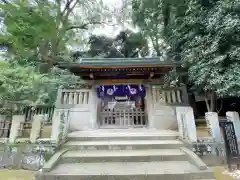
234	117
16	122
36	127
56	124
59	97
186	123
213	123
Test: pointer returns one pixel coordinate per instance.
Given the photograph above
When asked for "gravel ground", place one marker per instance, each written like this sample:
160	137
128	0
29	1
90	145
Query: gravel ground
220	173
235	174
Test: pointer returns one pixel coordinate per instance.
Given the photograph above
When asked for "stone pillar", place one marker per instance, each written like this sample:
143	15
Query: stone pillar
56	123
180	121
93	102
213	124
186	123
149	105
16	121
184	95
36	127
59	97
234	117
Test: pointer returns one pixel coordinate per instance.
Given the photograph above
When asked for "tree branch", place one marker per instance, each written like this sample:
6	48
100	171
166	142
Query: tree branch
67	6
83	26
69	10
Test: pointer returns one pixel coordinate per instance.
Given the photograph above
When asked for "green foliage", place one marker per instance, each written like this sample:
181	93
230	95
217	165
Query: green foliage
126	44
57	78
38	34
147	15
23	85
203	34
210	45
153	16
27	26
44	29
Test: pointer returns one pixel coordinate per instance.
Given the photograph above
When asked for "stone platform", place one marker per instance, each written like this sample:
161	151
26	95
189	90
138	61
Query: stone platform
139	154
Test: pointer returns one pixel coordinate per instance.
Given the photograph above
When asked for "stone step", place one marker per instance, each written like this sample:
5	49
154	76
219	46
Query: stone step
124	156
103	134
123	145
167	170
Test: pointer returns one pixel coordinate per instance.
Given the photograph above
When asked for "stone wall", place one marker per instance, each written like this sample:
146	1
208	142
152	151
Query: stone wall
24	156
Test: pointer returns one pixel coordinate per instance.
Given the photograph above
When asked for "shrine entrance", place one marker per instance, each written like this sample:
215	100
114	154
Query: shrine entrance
122	106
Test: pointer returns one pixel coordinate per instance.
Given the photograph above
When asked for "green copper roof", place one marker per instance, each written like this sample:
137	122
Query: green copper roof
108	62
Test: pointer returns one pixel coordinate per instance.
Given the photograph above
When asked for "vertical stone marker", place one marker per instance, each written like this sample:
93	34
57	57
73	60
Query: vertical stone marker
36	127
16	121
234	117
213	124
56	124
186	123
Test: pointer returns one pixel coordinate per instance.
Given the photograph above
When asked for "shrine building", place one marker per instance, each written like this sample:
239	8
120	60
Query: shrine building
121	93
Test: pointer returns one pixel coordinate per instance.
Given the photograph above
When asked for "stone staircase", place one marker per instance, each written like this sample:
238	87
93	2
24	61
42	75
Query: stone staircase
125	155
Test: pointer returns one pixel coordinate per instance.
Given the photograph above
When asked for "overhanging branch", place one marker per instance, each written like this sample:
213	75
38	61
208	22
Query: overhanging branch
83	26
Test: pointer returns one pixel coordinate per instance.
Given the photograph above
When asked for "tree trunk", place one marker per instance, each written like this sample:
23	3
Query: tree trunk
210	100
206	101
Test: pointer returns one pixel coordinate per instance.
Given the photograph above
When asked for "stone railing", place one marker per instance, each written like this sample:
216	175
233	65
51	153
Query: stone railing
171	96
5	127
70	97
68	100
46	110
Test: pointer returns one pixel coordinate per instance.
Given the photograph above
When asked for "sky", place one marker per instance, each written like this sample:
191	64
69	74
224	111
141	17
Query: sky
112	2
112	30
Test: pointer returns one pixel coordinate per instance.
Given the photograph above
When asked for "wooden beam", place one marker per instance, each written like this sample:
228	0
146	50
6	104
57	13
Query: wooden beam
126	81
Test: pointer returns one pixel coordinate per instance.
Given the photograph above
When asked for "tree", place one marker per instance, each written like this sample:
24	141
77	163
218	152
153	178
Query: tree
21	86
43	29
126	44
154	16
37	35
207	39
204	35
